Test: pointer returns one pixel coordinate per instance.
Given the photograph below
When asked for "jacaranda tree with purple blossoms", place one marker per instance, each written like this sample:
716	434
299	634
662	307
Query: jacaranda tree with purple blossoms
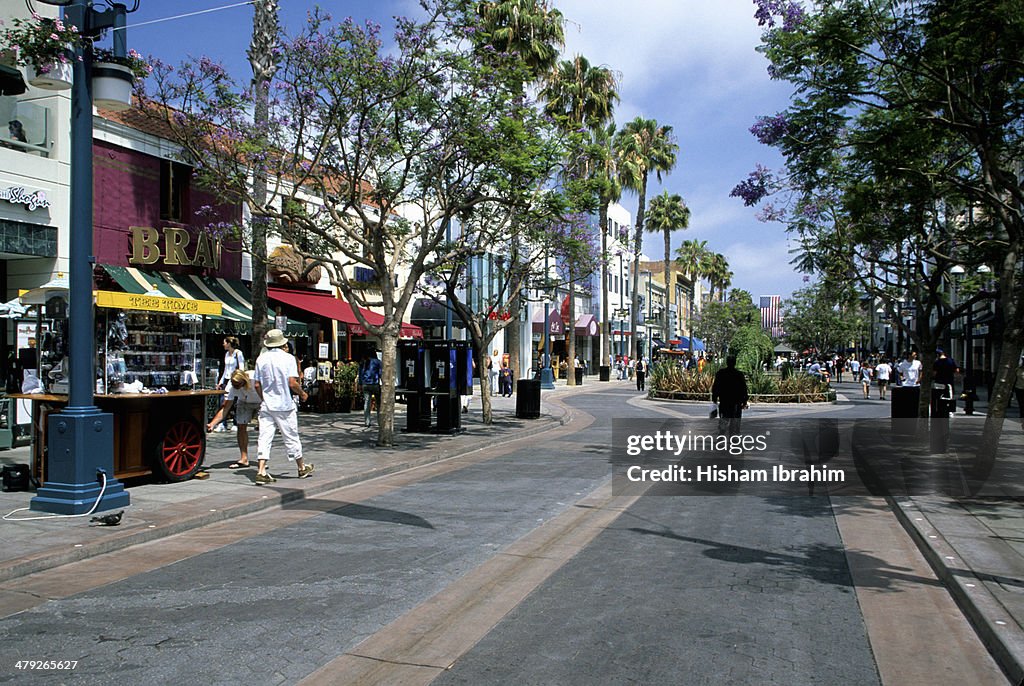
903	146
380	148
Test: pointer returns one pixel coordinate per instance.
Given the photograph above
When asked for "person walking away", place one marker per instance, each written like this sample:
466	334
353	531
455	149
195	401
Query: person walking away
883	372
276	378
243	397
840	368
944	371
729	391
641	374
233	359
493	367
505	380
855	368
865	379
368	383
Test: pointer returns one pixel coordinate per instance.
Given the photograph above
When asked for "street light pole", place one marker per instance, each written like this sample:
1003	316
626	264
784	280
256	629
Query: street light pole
547	377
80	441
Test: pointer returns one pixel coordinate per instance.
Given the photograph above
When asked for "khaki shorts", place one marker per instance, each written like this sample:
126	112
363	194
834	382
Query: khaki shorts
244	412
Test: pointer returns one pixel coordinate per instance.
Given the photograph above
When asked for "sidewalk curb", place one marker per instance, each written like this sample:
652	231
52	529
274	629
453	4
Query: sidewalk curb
212	509
1005	642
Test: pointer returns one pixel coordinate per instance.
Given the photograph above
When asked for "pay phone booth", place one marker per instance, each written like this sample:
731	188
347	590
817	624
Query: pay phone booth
411	381
449	365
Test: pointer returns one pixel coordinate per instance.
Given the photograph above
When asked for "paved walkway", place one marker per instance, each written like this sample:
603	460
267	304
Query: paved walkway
975	546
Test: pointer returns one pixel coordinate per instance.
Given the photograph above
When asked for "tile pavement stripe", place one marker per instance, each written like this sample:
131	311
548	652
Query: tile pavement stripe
198	513
896	590
1005	643
417	647
66	580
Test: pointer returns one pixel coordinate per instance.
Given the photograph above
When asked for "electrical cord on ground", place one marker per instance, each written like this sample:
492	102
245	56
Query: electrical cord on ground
103	488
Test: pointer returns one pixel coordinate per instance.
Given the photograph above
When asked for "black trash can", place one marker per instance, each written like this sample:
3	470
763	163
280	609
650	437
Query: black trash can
605	373
904	401
528	399
579	376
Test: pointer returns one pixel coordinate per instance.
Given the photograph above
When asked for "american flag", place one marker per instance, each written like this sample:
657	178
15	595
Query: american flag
771	315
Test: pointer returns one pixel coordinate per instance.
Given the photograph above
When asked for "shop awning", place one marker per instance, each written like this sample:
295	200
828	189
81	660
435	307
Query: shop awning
587	325
324	304
698	344
556	326
233	294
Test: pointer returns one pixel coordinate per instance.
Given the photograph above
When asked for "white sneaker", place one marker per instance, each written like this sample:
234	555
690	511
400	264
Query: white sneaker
220	429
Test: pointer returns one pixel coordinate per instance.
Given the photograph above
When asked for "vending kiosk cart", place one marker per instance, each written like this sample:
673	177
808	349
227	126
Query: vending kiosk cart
149	363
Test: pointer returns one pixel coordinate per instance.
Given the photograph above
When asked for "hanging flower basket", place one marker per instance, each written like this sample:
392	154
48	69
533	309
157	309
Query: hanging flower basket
53	76
112	86
45	47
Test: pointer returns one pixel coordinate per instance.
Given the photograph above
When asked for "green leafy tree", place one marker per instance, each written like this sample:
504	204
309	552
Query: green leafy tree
720	320
820	317
384	148
909	112
752	347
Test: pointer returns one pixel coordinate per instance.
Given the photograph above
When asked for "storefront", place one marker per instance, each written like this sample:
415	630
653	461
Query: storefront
352	336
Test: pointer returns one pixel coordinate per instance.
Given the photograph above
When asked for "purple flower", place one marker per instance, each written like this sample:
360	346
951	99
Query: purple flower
770	130
754	188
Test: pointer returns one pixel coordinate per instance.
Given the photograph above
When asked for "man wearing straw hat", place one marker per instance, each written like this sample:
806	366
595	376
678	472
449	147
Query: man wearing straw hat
276	379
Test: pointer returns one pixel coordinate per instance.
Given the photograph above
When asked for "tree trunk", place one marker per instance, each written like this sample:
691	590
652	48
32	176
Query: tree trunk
570	335
606	324
637	246
514	338
259	233
665	333
386	425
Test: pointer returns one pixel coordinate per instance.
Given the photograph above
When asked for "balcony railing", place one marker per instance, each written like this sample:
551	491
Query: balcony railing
24	126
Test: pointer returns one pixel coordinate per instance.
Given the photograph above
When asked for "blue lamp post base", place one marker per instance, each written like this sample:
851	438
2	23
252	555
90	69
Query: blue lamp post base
547	378
79	453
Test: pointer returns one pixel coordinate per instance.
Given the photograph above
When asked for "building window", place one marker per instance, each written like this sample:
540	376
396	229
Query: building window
174	184
24	126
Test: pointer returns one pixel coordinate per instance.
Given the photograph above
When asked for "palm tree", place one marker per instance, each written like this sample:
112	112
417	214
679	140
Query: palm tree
534	31
579	95
609	191
718	275
642	146
668	213
262	51
694	257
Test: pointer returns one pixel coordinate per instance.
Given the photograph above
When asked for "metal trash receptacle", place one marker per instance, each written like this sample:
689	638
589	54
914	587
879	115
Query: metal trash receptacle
579	376
605	373
904	401
528	399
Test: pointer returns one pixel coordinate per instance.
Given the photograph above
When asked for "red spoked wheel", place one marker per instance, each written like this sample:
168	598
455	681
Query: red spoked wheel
180	452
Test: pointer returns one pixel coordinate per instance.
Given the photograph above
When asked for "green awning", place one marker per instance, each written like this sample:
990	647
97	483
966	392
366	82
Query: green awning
233	294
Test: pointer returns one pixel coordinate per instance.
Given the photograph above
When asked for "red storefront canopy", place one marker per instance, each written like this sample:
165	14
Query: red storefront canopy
326	305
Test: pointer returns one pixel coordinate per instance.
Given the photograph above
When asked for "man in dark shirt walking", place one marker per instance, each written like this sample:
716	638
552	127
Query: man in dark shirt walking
729	390
944	369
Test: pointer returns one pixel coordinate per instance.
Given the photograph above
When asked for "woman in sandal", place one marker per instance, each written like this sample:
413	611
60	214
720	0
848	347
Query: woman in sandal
242	394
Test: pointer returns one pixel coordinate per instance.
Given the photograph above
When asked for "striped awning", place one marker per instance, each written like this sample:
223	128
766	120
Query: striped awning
233	294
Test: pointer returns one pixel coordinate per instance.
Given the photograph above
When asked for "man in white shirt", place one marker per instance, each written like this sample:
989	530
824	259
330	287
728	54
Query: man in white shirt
910	370
277	378
882	373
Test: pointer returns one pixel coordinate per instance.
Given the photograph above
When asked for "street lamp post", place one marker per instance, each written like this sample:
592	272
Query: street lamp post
547	377
80	462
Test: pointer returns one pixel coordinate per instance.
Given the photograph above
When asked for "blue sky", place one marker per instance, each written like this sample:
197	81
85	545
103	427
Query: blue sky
690	64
